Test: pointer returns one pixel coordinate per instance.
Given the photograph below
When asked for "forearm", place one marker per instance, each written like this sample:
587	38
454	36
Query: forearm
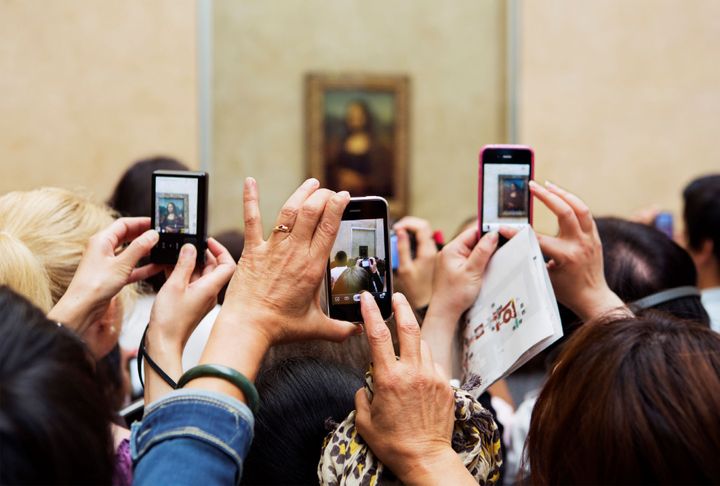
234	342
438	331
73	310
447	468
601	303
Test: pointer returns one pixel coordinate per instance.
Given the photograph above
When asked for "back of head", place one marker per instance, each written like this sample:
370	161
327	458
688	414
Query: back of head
702	212
54	420
298	396
23	272
640	261
54	225
133	194
631	401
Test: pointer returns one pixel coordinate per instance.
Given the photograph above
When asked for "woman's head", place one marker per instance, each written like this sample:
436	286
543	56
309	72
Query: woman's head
358	117
54	419
133	193
43	234
630	401
170	208
298	396
640	261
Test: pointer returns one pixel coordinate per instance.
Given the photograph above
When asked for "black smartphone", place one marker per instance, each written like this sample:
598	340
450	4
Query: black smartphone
179	213
504	193
360	260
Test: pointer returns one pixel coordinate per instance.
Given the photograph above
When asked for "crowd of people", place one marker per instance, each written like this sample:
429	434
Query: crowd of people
250	382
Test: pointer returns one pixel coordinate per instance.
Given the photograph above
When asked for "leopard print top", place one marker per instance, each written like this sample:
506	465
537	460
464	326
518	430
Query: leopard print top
346	459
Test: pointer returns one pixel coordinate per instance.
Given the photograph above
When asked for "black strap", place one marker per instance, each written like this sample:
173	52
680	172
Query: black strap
142	353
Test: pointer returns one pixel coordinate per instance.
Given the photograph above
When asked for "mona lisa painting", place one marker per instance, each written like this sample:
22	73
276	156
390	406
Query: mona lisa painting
357	140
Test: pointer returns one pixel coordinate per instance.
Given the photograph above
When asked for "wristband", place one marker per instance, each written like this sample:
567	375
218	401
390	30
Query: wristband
225	373
142	353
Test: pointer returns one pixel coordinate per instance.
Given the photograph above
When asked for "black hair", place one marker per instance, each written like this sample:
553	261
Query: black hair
55	419
133	196
341	256
702	212
640	261
299	395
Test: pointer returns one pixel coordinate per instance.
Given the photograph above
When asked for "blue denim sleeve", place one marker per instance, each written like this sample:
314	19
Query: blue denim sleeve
191	437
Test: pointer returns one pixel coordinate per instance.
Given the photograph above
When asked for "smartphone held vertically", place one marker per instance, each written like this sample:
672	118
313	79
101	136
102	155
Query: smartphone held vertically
503	190
179	213
360	260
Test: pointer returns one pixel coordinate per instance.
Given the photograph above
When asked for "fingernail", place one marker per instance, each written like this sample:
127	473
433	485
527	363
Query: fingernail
250	180
153	236
186	250
312	182
358	330
344	194
534	184
492	237
550	184
366	296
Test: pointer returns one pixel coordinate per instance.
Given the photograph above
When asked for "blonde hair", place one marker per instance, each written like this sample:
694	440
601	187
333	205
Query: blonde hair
43	234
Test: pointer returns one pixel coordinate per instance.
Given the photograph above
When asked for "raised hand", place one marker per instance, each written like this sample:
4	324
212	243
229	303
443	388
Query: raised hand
576	265
182	302
459	272
415	276
104	271
274	295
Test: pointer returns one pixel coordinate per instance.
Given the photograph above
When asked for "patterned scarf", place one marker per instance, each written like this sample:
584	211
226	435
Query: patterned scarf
346	459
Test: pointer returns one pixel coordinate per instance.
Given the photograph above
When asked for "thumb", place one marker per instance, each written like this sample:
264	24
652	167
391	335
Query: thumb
337	330
139	247
183	270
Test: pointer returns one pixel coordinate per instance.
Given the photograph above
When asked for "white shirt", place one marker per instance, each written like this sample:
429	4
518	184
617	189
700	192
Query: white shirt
711	302
335	274
136	320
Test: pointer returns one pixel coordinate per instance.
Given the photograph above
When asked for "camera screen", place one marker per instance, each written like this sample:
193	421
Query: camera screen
358	261
176	205
506	196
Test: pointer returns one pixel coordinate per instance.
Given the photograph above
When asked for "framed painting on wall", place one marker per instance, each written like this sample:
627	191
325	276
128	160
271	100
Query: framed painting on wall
357	135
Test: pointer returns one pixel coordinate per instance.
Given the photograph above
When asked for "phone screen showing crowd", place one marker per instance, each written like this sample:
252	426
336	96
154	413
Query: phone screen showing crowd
359	261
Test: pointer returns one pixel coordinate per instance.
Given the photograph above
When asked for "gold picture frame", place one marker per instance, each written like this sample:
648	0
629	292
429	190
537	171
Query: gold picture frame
357	134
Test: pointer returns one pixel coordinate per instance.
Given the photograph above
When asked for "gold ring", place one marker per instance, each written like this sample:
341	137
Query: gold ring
281	228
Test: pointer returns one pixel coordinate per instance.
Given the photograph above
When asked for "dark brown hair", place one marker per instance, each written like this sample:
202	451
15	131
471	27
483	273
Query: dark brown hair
631	401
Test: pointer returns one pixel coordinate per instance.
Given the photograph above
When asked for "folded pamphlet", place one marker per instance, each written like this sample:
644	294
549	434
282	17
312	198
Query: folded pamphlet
515	316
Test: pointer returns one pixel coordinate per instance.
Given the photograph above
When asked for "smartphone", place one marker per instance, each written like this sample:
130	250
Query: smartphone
664	223
179	213
360	260
503	188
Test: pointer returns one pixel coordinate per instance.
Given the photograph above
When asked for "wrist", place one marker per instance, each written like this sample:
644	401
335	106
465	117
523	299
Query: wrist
74	311
432	469
440	310
599	302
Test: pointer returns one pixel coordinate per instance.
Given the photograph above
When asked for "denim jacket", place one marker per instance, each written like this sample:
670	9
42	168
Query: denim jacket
192	437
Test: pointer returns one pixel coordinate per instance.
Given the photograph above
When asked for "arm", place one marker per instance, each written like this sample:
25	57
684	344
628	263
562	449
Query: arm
409	422
459	271
415	276
273	297
180	305
103	273
576	265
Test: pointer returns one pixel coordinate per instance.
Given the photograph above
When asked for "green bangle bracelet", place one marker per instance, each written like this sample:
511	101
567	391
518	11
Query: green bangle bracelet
225	373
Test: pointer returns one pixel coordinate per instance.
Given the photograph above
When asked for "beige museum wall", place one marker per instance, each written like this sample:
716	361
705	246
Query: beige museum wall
89	86
453	53
620	99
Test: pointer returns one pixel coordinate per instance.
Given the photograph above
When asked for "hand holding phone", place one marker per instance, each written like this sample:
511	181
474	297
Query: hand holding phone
179	213
363	238
503	188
